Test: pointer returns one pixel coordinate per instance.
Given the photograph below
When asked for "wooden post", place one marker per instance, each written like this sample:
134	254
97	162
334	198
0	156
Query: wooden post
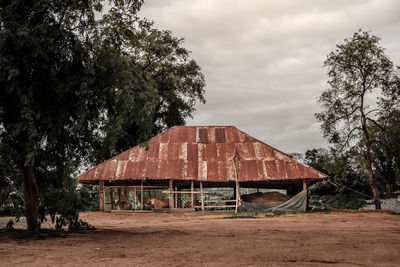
237	202
119	193
176	197
305	184
305	187
201	196
111	198
126	197
191	192
141	195
237	192
135	200
171	195
101	195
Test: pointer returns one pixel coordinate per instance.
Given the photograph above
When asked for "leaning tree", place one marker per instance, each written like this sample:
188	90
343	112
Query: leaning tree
79	79
363	83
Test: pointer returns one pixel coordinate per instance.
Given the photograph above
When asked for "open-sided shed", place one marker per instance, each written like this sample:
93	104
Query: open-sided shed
186	157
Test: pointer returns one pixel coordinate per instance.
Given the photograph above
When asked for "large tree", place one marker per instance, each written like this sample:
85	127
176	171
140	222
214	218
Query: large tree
77	86
386	153
362	83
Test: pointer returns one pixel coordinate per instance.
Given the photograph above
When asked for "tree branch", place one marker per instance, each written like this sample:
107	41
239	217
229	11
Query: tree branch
349	137
373	110
376	123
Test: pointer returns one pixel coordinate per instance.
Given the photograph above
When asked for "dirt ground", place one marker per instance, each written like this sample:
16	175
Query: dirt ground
194	239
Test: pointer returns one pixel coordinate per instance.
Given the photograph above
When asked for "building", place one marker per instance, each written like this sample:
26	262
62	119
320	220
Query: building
197	157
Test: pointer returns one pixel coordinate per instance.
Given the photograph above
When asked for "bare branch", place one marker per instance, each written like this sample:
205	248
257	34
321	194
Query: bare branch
372	110
376	123
346	143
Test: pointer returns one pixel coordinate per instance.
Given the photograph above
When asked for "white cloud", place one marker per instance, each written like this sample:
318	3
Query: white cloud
263	59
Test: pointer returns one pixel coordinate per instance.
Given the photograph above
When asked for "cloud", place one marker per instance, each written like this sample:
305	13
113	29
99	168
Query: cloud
263	59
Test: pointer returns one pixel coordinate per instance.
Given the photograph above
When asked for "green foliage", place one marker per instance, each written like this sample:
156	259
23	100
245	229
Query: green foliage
76	88
11	201
89	197
73	222
345	170
357	69
339	201
386	153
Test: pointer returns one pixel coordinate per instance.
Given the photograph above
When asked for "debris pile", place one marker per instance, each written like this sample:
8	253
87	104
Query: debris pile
270	198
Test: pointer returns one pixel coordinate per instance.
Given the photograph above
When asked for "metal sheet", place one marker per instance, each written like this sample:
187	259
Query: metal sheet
176	154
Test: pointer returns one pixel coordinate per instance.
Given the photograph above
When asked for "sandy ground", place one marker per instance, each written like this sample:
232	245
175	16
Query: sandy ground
341	239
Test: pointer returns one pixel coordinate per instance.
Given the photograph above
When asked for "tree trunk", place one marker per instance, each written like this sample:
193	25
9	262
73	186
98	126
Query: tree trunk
368	160
31	193
389	189
374	188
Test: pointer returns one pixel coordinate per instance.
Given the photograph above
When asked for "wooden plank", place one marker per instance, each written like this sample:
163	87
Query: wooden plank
111	198
126	198
183	192
222	206
101	195
141	195
305	184
138	186
171	196
135	199
237	182
191	192
176	197
237	196
201	196
211	201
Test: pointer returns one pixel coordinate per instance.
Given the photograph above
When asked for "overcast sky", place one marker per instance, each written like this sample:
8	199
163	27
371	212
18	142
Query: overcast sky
262	60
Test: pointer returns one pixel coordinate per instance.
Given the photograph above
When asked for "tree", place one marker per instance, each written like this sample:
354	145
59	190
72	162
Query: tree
386	153
174	81
344	170
358	69
73	86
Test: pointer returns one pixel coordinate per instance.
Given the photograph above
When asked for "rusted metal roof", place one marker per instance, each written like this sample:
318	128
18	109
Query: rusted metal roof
202	153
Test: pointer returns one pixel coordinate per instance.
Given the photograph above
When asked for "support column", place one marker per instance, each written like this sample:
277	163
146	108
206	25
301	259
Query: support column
305	184
171	195
305	187
141	195
191	192
237	202
126	197
135	199
201	196
111	198
119	193
101	195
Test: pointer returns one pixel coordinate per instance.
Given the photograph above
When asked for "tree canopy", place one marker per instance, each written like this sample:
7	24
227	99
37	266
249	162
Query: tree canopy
77	87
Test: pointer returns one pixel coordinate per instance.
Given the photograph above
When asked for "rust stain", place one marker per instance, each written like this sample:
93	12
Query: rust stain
177	154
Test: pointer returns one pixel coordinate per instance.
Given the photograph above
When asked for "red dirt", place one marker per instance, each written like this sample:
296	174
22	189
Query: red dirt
268	198
345	239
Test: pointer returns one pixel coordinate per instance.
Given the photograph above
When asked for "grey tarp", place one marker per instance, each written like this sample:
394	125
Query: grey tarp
298	203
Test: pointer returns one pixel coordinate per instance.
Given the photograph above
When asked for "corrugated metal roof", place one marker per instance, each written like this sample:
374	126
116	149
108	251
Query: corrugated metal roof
185	153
